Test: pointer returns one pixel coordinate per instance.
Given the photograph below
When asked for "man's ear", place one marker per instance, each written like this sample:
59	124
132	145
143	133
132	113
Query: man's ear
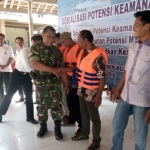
147	26
42	35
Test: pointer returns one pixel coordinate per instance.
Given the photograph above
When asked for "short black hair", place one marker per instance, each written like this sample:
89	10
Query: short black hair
1	34
19	38
37	38
86	34
57	35
145	16
32	38
48	28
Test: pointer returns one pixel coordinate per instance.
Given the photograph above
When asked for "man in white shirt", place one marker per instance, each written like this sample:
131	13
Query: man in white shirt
134	87
6	57
20	77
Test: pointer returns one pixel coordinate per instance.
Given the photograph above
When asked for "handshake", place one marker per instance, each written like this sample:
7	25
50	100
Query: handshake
58	71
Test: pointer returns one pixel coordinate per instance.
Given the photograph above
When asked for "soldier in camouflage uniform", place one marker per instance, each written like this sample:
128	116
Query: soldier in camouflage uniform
45	59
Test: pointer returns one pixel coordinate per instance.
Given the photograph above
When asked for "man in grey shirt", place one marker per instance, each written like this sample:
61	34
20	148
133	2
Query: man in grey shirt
134	87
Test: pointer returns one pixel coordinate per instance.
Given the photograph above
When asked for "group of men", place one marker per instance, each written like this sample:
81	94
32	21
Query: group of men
69	79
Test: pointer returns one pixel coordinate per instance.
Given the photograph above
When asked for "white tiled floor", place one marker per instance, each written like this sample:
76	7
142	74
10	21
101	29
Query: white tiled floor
17	134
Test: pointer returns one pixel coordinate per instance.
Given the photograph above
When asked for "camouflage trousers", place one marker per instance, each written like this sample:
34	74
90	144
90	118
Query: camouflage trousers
48	96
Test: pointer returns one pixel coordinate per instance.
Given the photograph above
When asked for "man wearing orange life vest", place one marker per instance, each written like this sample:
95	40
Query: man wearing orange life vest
58	44
91	75
70	58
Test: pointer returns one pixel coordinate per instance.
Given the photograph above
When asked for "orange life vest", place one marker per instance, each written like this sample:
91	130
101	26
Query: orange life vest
62	48
87	76
70	57
65	54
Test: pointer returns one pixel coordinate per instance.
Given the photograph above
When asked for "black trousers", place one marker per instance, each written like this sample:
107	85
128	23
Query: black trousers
74	107
4	82
20	91
19	79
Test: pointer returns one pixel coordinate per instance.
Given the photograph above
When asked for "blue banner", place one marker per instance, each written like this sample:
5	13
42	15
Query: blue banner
110	21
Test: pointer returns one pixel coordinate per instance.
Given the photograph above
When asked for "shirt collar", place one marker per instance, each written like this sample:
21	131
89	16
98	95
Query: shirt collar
147	43
20	49
2	46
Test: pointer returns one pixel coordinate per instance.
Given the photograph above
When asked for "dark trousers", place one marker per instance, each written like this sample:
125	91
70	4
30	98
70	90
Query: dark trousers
4	82
19	79
20	91
74	107
89	111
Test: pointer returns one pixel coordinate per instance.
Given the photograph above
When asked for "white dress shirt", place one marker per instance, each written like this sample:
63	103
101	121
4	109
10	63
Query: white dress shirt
6	52
22	60
136	90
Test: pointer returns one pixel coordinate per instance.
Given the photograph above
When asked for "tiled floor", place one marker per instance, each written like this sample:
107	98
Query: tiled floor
17	134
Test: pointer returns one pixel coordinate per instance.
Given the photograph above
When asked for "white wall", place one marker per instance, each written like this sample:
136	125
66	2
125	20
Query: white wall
12	33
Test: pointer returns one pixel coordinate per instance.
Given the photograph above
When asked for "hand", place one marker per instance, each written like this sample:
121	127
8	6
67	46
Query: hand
97	100
116	96
147	116
55	71
67	89
61	70
2	67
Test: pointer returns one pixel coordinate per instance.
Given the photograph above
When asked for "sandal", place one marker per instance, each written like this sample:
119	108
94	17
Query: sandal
79	137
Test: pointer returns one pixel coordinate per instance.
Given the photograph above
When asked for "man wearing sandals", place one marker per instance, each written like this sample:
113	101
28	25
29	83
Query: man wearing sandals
91	70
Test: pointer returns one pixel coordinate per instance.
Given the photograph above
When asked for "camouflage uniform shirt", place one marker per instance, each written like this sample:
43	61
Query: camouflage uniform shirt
48	55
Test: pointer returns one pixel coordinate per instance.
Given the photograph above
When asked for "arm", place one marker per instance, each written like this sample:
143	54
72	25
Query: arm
25	60
66	84
7	64
40	66
100	67
101	86
11	56
122	82
67	69
34	59
98	98
117	93
147	116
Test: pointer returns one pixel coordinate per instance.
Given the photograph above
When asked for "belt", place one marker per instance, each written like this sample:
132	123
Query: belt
24	73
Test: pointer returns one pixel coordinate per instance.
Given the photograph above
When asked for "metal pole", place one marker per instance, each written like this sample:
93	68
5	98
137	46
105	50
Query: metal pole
30	2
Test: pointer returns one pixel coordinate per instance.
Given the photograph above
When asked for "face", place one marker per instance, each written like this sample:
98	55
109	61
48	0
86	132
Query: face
140	30
38	41
57	42
19	43
32	41
82	42
66	42
49	38
2	40
56	39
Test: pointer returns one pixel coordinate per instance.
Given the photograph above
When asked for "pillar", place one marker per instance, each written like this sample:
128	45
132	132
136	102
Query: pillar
30	2
2	26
